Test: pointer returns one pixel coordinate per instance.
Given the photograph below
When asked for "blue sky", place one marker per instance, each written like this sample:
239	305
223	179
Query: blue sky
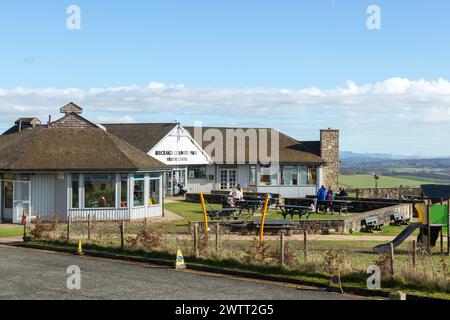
294	65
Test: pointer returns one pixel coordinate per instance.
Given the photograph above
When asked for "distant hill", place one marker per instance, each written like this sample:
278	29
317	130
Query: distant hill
411	168
348	156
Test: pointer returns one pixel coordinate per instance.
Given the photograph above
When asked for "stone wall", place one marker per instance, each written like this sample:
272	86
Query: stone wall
329	140
353	223
394	193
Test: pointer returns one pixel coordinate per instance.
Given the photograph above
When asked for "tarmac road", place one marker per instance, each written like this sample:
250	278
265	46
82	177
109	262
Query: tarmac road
30	274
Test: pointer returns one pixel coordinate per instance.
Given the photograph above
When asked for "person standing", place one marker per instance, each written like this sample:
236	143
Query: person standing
321	197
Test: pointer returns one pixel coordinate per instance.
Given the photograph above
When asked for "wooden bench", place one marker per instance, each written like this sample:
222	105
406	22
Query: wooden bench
224	213
295	210
399	219
276	226
372	223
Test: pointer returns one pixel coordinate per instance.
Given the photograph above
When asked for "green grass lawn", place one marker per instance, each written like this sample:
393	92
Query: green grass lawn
193	212
367	181
387	231
12	231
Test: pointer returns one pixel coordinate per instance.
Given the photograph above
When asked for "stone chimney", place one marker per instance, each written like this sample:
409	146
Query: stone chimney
329	146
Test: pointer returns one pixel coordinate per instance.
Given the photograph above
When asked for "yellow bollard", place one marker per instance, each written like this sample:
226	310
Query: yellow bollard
79	249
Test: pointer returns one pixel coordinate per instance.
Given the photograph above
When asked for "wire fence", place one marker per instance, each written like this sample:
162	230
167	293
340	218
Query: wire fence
411	263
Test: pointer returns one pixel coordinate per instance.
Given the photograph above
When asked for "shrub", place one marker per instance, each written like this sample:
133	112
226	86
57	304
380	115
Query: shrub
147	238
42	231
257	253
333	260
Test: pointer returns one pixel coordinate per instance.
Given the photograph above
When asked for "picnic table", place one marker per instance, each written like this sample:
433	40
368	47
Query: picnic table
334	205
250	205
295	210
276	226
272	201
341	205
224	213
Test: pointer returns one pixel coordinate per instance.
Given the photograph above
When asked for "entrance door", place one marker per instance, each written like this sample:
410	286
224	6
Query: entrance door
228	179
7	201
21	200
178	179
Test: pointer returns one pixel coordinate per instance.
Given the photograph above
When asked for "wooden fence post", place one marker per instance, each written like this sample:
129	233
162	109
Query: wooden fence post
391	256
282	250
414	249
122	235
68	228
305	243
217	237
196	240
89	227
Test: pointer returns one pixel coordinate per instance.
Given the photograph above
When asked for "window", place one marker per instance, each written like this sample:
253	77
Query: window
312	176
197	172
268	179
138	191
100	191
303	175
75	191
124	191
153	198
289	175
252	176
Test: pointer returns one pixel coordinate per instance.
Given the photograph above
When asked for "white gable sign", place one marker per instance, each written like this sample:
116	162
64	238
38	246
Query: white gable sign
178	148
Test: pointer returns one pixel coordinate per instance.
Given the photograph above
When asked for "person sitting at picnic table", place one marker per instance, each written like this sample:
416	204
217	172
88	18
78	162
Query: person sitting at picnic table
321	197
330	198
343	193
237	193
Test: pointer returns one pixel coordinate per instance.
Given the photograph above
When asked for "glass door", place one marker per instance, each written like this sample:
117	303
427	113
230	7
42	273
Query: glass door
178	181
21	200
228	179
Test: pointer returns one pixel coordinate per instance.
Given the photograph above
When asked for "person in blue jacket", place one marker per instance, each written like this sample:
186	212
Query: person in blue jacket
321	196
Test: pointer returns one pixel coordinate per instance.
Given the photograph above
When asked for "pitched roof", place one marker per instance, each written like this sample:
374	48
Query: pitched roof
143	136
71	108
59	148
290	150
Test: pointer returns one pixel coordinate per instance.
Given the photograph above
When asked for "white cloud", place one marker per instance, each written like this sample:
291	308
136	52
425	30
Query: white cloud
383	102
119	119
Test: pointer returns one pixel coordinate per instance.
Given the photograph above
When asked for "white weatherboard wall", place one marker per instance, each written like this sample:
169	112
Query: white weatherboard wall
48	195
178	148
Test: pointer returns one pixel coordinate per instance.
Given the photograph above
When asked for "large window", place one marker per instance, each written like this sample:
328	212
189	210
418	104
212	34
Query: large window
308	176
99	191
138	191
252	176
75	191
124	191
312	176
268	178
197	172
289	176
153	198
